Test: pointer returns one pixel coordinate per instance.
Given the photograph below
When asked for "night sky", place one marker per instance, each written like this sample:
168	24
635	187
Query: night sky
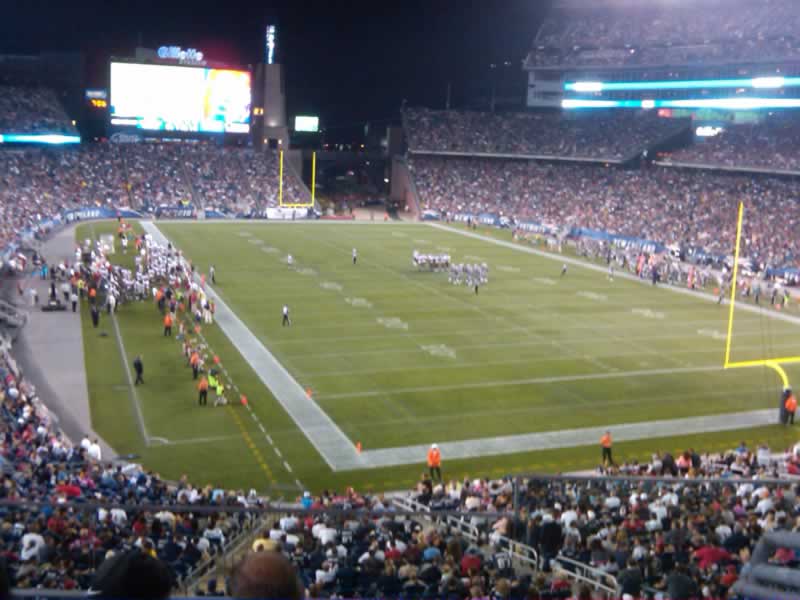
349	61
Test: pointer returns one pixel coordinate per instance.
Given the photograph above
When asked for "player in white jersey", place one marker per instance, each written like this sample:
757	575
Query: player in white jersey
290	260
286	321
355	255
563	269
611	272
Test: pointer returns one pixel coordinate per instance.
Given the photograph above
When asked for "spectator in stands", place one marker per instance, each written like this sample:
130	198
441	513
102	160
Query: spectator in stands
267	576
133	574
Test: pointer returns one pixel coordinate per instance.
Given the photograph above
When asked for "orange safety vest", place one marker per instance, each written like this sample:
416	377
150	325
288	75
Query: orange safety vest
92	292
195	359
168	320
605	441
434	457
791	404
203	385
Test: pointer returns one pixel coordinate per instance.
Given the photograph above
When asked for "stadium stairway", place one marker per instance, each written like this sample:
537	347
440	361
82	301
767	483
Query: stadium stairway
11	316
524	557
221	564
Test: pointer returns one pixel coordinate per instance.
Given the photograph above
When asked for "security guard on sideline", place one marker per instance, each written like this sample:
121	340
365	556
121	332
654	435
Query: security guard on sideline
435	463
605	443
202	388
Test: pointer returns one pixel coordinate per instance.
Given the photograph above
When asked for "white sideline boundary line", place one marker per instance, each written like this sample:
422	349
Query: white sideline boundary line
340	454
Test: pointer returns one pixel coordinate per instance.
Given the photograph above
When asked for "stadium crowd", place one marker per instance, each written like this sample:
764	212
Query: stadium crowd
59	545
773	144
654	33
37	184
614	136
27	109
681	539
689	208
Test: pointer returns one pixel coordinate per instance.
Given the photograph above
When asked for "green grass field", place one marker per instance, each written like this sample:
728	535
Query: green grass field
399	357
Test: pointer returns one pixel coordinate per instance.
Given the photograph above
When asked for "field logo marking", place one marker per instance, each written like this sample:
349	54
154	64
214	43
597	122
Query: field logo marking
245	234
648	313
331	285
256	242
422	242
269	250
306	271
474	258
593	296
712	333
772	363
392	323
440	350
397	234
359	302
507	269
544	280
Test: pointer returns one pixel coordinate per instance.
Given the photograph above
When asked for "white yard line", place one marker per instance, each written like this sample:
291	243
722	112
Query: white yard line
530	361
533	344
516	382
134	395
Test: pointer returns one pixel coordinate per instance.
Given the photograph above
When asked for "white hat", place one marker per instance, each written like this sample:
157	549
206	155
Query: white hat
434	446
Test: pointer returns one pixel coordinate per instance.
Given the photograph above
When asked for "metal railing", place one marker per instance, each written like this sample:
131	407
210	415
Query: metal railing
761	580
11	315
580	572
522	553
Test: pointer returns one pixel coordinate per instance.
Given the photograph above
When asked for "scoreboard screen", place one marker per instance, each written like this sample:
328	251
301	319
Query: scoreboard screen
179	98
306	123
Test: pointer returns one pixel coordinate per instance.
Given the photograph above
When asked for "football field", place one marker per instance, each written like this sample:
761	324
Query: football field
399	358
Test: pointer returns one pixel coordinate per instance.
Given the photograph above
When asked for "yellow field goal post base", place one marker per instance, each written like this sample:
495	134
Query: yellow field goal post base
283	204
772	363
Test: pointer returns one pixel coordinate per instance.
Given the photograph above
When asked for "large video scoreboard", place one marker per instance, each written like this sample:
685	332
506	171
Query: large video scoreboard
179	98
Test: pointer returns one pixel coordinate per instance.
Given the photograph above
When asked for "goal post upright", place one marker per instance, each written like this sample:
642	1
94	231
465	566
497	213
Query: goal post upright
772	363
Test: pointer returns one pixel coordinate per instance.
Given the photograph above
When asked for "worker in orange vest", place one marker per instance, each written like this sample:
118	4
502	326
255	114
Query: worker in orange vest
791	406
435	463
202	388
605	444
168	325
194	361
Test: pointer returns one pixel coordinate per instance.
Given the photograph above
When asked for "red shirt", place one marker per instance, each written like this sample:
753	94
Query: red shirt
711	555
470	561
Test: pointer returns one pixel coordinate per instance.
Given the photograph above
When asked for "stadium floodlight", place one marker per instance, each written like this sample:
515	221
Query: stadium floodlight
54	139
587	86
761	83
718	103
767	82
572	103
734	103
